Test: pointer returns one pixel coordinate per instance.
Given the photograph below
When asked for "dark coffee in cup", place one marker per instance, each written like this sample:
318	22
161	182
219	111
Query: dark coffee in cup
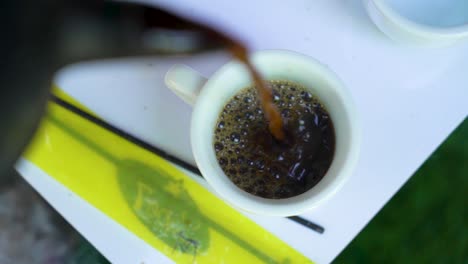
256	161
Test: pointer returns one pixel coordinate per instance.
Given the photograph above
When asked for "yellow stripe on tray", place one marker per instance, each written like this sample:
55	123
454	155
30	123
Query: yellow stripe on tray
149	196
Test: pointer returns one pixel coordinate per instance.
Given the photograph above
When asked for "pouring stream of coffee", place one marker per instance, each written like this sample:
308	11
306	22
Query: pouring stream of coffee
275	122
271	112
240	52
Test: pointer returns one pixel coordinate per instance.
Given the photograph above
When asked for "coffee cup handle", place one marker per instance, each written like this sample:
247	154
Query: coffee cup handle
185	82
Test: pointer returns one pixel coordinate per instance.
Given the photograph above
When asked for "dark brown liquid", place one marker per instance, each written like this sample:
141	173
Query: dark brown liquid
260	164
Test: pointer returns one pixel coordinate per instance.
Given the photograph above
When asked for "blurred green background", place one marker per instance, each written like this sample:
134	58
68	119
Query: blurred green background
427	220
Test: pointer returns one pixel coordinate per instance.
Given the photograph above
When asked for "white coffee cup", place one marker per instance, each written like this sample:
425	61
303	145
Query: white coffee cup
421	22
209	97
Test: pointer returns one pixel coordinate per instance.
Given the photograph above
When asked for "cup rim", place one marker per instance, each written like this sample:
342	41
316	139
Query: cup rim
418	28
254	204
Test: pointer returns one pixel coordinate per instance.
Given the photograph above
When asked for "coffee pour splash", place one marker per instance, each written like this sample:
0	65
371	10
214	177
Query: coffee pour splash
238	50
272	114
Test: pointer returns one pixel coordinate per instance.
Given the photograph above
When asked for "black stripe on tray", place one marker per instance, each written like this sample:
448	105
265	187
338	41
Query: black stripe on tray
304	222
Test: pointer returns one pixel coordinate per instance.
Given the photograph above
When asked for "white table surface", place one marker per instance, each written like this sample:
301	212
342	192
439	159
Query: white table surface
409	100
